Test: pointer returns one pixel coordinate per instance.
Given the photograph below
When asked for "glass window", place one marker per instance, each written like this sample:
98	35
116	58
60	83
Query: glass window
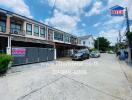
83	42
66	38
50	34
72	39
2	26
29	29
15	27
42	32
36	30
58	36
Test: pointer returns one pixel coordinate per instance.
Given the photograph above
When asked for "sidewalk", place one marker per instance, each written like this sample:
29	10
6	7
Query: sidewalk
127	69
27	67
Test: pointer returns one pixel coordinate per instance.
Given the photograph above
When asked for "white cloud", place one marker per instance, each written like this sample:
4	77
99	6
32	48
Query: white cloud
131	28
70	6
114	20
96	9
112	35
66	15
62	21
83	24
17	6
96	25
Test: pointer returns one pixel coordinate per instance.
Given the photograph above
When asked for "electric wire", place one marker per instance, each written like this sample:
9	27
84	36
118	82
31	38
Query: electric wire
52	9
123	23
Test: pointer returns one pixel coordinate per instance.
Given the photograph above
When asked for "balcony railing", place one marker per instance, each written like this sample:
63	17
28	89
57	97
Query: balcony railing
2	29
17	31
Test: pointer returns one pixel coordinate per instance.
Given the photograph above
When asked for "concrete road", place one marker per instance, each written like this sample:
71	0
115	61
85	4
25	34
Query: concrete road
103	78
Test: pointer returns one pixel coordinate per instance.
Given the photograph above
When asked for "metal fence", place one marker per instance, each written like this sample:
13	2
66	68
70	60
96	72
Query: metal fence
34	55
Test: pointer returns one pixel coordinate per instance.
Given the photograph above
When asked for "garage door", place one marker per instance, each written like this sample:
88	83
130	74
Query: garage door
27	55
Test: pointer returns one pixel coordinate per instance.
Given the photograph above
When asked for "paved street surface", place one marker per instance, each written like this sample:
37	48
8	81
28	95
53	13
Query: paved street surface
103	78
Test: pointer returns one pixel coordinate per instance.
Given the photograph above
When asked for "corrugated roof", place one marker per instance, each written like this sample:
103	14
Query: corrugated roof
85	37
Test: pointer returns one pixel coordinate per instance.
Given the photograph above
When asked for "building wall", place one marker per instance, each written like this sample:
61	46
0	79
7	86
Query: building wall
88	42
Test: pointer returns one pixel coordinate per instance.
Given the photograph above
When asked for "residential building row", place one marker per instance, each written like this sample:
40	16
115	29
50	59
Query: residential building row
18	32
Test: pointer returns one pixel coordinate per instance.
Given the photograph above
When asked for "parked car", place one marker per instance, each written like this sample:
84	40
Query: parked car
111	52
95	54
81	54
102	51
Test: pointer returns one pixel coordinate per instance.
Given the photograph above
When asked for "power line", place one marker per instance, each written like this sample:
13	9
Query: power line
52	9
129	7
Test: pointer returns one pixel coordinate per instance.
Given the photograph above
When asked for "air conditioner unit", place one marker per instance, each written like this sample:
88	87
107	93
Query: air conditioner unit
15	32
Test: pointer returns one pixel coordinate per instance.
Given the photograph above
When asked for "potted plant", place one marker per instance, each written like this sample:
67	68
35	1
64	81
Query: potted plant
5	62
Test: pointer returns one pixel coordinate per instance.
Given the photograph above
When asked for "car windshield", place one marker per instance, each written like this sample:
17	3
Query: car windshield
94	52
80	51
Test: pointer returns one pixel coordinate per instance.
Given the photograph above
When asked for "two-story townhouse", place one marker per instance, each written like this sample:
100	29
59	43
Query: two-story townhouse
30	41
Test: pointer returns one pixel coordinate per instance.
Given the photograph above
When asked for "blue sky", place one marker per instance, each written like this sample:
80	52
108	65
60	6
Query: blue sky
79	17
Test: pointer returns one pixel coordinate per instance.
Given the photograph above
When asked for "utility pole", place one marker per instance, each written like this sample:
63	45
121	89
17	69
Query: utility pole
127	20
128	30
119	36
117	45
98	43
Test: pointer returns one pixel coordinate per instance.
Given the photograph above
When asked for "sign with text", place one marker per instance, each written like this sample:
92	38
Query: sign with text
18	52
117	11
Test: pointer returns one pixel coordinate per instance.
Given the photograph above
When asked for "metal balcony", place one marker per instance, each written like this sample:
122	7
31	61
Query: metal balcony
16	31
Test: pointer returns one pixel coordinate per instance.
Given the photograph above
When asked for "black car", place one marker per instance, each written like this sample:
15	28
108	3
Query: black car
81	55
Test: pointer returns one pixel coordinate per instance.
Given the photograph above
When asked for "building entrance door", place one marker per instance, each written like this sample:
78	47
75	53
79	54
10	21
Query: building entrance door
3	44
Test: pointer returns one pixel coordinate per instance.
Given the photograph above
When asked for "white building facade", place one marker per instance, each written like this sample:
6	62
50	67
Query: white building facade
87	41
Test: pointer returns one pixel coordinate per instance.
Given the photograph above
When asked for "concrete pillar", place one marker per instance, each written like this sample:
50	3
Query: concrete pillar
8	24
24	27
32	29
55	53
8	49
39	31
53	36
47	33
72	51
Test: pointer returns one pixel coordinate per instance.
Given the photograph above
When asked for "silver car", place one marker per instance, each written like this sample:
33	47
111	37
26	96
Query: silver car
95	54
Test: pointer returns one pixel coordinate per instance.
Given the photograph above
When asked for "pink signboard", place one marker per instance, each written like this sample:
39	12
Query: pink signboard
18	52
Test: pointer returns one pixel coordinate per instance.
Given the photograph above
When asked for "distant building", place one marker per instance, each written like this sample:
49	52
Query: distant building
130	28
87	41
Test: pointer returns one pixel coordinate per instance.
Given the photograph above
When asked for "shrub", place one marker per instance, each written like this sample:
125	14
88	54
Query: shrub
129	36
94	49
4	61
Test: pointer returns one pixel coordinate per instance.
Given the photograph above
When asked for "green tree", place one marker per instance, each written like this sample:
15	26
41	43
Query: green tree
129	36
103	43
